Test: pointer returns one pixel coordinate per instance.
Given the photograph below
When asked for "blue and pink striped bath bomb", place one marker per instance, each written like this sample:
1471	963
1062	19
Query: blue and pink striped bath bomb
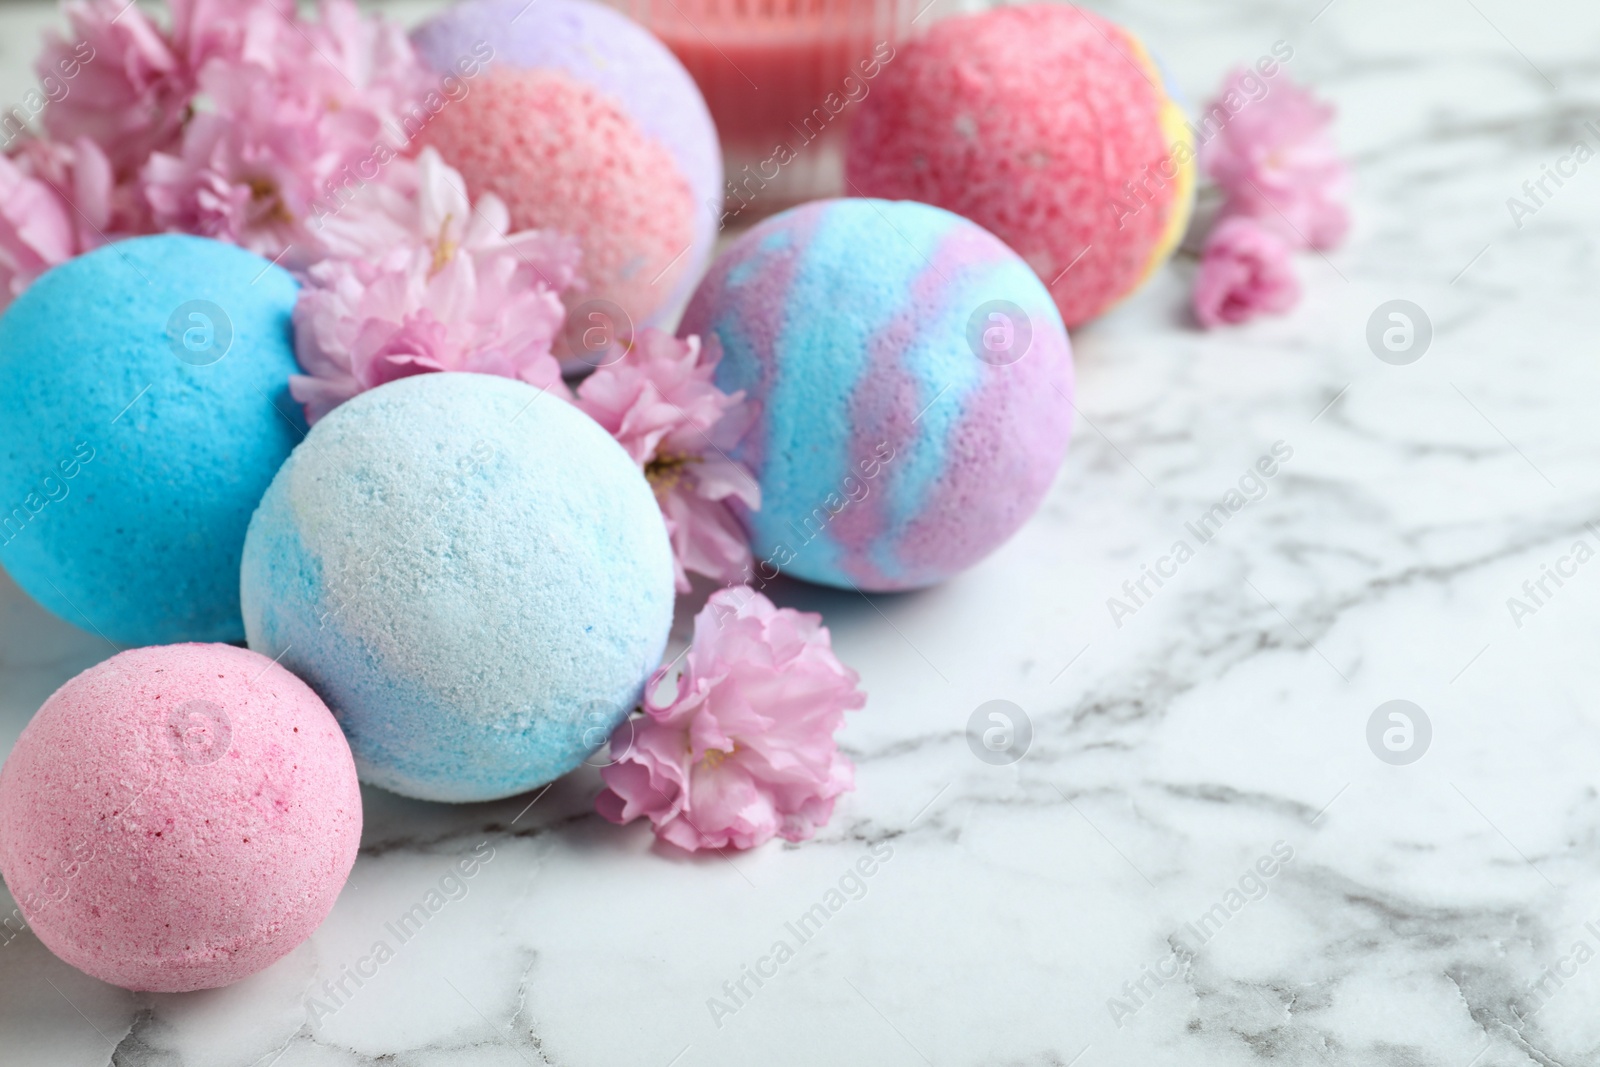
471	573
912	386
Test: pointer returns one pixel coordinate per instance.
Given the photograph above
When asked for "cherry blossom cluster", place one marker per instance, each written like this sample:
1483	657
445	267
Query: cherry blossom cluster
1284	186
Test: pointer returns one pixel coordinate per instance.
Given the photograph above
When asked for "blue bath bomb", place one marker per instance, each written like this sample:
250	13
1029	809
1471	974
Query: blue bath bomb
471	573
144	396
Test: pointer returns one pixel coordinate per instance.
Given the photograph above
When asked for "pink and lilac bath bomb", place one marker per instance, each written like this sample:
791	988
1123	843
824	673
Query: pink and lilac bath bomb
178	817
1048	126
601	47
565	156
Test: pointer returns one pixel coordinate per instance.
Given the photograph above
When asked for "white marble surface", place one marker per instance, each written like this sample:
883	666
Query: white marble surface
1226	715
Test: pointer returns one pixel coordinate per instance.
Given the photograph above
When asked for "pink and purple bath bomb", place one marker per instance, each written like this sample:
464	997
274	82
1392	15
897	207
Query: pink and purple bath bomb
600	47
178	817
565	156
1048	126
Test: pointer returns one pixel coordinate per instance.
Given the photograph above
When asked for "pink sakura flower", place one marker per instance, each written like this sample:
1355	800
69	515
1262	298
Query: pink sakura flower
1276	160
56	201
227	30
247	172
367	62
128	91
423	203
236	123
359	324
659	402
451	293
744	748
302	107
1244	271
36	229
130	88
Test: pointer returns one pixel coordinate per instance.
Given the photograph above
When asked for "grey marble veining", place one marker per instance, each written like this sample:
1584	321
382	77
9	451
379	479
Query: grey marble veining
1105	901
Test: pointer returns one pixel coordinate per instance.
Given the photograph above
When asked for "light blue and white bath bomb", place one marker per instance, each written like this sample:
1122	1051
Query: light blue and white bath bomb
471	573
144	408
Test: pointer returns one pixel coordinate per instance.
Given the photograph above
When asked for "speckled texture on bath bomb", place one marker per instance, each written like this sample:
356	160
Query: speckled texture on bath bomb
890	455
565	156
178	817
127	474
1048	126
472	574
601	47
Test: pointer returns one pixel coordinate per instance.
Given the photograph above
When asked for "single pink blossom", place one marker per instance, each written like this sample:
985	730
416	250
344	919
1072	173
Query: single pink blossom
56	201
1275	159
661	405
1244	272
247	172
227	30
423	203
367	62
126	89
744	748
359	324
104	207
36	230
426	281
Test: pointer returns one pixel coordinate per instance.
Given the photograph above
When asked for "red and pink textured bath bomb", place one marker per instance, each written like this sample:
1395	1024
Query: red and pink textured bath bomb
565	156
178	817
1048	126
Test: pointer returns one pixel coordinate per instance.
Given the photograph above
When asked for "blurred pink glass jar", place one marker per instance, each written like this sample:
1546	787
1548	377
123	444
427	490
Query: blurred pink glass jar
783	79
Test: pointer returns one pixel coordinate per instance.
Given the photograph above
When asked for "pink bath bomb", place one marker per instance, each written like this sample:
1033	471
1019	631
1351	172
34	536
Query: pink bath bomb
178	817
1047	125
565	156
